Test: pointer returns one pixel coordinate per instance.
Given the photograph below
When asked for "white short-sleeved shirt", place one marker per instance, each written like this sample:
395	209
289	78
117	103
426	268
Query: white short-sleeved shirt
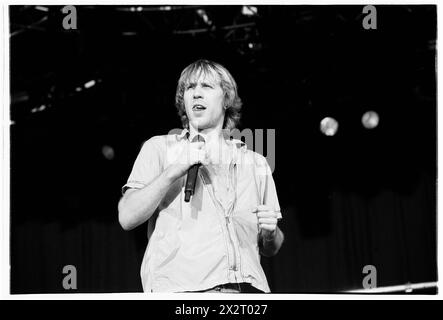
210	240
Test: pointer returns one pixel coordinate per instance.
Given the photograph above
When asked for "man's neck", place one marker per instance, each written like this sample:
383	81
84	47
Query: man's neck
212	136
214	141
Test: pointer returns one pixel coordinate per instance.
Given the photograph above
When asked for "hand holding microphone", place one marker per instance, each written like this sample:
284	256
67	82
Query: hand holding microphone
193	171
190	157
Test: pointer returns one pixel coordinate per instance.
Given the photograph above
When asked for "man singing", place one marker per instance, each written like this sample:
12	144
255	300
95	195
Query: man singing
213	242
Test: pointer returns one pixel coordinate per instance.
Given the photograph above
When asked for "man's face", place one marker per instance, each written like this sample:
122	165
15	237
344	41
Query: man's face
203	99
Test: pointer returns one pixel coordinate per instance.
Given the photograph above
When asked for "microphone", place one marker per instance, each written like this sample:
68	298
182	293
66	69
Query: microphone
192	174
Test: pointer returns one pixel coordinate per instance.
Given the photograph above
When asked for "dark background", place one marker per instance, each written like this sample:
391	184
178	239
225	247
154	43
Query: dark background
360	197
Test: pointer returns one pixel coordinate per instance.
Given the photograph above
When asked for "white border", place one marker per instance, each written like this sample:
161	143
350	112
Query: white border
4	187
4	142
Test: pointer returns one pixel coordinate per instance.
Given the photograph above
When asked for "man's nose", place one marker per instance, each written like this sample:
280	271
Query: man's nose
197	92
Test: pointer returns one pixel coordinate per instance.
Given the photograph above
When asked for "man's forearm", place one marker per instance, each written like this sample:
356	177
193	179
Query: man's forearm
137	206
270	246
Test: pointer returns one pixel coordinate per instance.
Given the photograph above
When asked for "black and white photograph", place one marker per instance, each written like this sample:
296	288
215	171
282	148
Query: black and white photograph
222	148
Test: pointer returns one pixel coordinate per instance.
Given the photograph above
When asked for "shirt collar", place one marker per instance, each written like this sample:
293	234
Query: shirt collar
183	135
229	140
237	145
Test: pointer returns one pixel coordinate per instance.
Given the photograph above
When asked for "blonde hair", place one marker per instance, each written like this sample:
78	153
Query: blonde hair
232	101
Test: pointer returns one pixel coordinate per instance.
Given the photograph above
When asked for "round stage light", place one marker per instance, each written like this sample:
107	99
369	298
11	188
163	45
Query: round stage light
329	126
370	120
108	152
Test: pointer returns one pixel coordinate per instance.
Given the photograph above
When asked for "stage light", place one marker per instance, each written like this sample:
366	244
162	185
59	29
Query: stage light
89	84
329	126
202	13
108	152
370	120
249	11
41	8
19	97
37	109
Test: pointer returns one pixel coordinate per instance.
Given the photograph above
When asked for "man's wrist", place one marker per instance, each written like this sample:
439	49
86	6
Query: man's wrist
169	175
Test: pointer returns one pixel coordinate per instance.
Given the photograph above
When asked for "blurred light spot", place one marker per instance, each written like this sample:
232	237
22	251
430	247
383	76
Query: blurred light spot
89	84
249	11
108	152
78	89
165	8
20	97
41	8
42	107
329	126
370	120
202	13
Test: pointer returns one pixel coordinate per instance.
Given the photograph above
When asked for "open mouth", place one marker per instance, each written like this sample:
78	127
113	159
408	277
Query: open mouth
198	107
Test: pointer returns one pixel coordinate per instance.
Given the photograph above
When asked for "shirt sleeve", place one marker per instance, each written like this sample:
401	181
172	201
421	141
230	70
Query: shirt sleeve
268	190
147	166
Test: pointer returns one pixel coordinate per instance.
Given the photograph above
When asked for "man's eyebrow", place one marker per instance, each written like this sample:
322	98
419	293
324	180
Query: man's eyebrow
204	82
210	81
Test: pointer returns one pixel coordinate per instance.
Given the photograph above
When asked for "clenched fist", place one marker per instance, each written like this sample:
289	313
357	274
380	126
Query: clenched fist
267	221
